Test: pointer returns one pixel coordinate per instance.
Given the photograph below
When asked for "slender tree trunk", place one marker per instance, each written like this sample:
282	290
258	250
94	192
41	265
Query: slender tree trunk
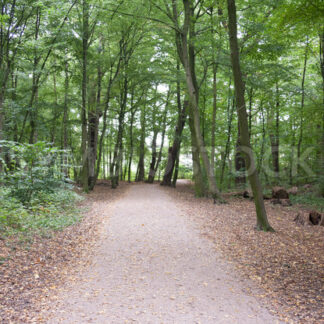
321	139
250	110
187	55
302	105
274	138
140	167
93	133
240	165
263	138
56	112
162	142
175	148
262	220
65	120
151	174
35	86
230	112
131	149
215	68
1	126
156	158
84	144
118	151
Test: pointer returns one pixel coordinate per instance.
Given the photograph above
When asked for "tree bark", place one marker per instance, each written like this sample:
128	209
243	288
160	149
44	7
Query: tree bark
321	163
262	220
151	174
302	105
186	51
93	133
131	152
274	138
156	158
230	111
116	165
140	169
174	149
84	144
65	120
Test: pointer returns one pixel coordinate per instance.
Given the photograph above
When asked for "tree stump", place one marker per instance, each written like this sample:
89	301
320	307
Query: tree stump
315	218
279	193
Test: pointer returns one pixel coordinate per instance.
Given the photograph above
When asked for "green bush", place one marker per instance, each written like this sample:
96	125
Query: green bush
46	212
12	212
31	169
34	196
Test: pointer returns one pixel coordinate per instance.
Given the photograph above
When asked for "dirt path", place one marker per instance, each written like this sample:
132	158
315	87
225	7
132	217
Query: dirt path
153	266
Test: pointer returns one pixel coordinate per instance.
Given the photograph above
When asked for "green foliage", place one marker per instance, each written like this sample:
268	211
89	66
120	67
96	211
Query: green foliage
31	169
34	197
47	212
309	199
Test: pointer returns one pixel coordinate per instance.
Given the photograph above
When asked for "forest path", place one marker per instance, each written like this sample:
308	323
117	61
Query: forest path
153	266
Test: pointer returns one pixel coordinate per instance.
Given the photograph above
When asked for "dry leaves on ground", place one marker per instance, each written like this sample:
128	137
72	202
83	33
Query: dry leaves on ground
30	275
287	264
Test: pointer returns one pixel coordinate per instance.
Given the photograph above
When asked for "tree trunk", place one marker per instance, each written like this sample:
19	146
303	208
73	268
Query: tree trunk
240	167
176	170
321	139
230	111
84	144
156	158
172	152
35	86
131	152
187	56
151	175
215	68
65	121
93	134
262	220
274	138
200	185
140	168
116	165
302	105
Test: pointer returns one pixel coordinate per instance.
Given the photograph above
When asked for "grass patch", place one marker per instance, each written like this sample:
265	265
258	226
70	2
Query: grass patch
309	199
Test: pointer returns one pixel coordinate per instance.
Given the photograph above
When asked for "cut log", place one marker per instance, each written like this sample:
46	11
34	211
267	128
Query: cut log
301	219
279	193
315	217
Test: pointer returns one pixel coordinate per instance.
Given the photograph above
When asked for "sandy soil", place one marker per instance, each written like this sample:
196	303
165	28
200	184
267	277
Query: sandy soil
152	265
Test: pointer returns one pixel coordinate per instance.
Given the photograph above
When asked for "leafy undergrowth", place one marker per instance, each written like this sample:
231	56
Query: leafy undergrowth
287	265
310	200
30	273
46	212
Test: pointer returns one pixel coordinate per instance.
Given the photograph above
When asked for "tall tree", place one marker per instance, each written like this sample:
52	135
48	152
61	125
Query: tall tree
262	220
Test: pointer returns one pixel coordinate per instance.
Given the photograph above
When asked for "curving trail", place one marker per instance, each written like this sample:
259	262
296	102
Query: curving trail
153	266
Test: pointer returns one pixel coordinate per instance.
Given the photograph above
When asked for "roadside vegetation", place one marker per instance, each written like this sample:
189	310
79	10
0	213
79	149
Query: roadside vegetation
35	196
